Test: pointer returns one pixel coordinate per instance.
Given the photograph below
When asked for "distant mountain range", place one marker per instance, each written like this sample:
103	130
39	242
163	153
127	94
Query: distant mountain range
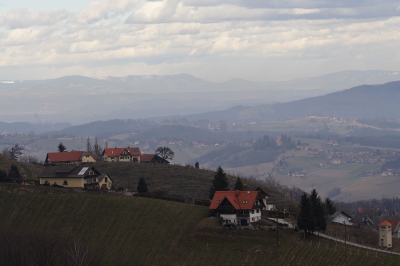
77	99
366	101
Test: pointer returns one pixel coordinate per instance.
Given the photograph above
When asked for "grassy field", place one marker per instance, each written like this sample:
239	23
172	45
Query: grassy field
28	171
138	231
185	181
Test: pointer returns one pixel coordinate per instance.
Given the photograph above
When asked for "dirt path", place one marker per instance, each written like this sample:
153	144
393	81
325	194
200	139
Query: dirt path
358	245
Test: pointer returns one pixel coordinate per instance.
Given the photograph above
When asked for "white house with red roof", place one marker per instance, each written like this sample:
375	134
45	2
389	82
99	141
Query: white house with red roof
237	207
128	154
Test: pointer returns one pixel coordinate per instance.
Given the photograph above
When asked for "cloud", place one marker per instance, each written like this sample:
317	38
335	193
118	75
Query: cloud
103	9
122	36
22	18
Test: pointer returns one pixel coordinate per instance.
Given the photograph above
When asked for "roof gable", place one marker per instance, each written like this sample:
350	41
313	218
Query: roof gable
385	223
68	171
112	152
240	200
147	157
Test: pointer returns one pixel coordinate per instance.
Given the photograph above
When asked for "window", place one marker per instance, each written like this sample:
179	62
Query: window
65	183
105	179
219	201
258	210
245	202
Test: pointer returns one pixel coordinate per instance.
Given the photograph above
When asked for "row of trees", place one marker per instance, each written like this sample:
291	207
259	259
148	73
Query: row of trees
313	212
92	149
13	173
221	183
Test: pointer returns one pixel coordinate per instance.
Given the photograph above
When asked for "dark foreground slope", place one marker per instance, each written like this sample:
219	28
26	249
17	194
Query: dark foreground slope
135	231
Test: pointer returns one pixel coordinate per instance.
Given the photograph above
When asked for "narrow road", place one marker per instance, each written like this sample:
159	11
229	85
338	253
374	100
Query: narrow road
358	245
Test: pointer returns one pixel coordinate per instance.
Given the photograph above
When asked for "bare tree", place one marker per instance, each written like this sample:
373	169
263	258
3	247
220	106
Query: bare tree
97	149
78	255
165	153
45	250
14	153
88	146
30	159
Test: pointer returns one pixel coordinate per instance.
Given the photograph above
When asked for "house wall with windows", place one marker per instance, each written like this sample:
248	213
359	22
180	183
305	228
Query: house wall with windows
255	215
67	182
105	181
88	159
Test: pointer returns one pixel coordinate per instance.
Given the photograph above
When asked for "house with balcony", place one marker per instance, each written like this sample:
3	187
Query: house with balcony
237	207
128	154
75	177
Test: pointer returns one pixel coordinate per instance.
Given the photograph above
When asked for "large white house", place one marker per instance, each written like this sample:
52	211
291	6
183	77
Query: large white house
237	207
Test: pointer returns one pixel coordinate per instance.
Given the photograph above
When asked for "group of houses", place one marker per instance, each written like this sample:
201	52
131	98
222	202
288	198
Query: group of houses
127	154
72	170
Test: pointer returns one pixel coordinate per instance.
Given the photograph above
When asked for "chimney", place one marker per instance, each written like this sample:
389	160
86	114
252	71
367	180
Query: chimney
237	193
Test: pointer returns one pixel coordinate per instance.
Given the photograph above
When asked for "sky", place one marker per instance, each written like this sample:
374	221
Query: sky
216	40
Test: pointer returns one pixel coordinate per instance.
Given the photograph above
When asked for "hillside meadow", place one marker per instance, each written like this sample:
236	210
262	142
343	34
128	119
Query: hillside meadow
138	231
180	180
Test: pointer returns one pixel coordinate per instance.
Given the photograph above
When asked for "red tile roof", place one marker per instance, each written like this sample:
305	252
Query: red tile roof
68	156
394	222
241	200
147	157
385	223
133	151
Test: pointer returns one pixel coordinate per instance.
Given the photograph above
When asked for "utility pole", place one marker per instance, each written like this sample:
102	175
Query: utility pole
345	251
277	231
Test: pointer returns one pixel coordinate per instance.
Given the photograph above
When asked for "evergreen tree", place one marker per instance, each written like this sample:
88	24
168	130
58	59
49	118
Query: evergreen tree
61	147
329	208
305	212
142	186
219	183
239	185
318	216
3	174
14	172
196	165
313	214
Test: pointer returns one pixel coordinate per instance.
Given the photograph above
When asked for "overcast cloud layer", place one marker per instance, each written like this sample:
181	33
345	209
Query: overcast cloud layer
212	39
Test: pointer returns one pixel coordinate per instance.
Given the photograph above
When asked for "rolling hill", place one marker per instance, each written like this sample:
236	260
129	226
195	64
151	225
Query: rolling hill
366	101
